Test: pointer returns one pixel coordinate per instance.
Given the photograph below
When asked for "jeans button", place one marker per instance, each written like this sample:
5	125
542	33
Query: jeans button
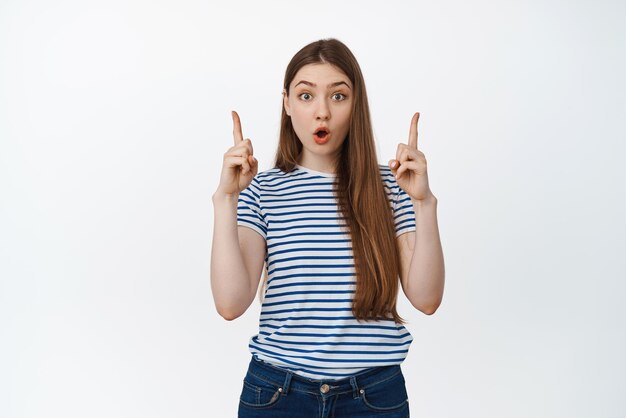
324	388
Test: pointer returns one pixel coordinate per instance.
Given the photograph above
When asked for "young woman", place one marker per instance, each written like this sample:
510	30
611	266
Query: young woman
335	233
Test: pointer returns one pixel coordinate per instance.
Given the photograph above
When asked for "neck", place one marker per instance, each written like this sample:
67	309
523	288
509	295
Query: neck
326	165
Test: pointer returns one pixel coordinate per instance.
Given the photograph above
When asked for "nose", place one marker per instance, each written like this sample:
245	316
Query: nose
323	111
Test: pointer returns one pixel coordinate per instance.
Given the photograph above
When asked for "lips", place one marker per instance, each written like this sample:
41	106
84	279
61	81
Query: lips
321	135
321	131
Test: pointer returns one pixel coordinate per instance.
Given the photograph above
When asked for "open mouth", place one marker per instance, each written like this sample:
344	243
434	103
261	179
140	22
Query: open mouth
321	133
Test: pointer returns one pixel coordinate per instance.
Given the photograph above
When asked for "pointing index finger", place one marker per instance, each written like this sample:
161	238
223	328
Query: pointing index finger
238	136
413	131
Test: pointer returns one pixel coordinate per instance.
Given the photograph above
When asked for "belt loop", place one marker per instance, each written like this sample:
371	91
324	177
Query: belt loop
355	388
287	383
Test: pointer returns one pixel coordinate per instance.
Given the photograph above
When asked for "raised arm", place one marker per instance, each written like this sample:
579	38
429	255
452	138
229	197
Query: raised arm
422	264
237	253
237	259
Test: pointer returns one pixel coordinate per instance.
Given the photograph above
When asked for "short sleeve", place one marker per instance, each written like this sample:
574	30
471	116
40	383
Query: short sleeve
403	212
249	212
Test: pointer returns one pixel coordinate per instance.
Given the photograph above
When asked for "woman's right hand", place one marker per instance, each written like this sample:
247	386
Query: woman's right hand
240	166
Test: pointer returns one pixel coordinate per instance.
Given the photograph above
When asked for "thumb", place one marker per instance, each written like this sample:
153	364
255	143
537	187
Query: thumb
393	164
254	163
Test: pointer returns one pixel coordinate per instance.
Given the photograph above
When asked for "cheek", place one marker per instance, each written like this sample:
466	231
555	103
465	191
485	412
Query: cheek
298	124
298	116
345	118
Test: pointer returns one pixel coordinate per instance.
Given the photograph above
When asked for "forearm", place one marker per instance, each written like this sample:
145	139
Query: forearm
230	281
426	272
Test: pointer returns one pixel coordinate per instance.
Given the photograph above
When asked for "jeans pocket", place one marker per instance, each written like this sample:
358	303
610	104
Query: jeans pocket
386	396
258	393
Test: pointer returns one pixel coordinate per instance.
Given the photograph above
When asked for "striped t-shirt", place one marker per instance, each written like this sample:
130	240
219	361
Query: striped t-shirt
306	323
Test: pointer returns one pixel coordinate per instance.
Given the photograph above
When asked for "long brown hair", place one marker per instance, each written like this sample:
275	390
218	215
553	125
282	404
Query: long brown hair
359	190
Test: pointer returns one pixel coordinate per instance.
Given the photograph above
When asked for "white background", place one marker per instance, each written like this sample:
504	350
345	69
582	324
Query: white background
114	117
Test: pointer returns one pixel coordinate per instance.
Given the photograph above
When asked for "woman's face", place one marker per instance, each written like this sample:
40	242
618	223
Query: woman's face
320	106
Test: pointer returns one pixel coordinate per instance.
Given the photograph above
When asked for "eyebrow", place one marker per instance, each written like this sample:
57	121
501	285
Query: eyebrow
308	83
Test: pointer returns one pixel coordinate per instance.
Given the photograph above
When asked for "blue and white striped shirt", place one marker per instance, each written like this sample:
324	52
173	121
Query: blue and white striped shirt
306	323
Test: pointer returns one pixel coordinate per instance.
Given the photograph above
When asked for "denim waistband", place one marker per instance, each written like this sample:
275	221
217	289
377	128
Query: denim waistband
287	380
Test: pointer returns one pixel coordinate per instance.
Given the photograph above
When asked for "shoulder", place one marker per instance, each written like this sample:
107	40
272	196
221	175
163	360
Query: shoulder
385	172
274	179
265	177
389	180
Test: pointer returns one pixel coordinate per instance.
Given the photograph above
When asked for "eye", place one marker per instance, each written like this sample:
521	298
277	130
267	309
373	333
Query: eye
339	97
305	96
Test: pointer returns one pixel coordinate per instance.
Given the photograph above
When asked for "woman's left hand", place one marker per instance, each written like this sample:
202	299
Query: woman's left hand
409	167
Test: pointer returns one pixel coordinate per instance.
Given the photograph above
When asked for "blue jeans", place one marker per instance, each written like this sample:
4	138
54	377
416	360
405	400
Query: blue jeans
269	391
